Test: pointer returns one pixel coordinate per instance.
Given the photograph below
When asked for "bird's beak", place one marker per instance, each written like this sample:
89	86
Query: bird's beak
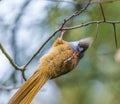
86	42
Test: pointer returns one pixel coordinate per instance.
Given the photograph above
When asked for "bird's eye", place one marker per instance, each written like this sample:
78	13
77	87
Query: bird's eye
81	49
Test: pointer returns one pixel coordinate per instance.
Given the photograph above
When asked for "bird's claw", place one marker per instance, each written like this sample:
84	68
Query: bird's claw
62	34
74	55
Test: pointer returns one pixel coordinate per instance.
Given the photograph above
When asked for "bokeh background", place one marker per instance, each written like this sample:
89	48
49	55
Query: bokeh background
24	27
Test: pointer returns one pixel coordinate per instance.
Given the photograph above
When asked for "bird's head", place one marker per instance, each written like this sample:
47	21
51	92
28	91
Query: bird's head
82	45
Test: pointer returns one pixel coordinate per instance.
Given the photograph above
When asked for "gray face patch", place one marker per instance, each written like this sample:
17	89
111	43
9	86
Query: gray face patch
77	46
74	45
81	45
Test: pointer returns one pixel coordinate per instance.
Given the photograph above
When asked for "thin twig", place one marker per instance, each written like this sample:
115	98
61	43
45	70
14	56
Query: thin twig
77	13
96	35
9	58
83	2
115	35
102	11
23	74
89	23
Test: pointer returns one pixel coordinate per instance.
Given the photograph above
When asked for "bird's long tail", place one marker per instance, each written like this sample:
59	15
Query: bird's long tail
27	92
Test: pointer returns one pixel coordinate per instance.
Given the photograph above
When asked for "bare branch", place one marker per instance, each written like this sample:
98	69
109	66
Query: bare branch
9	58
115	35
102	11
23	74
76	13
91	22
84	2
96	31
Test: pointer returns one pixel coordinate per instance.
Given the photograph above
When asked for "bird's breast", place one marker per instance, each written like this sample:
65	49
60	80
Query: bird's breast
55	61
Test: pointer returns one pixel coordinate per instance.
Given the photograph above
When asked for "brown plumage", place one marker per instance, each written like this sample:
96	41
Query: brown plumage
62	58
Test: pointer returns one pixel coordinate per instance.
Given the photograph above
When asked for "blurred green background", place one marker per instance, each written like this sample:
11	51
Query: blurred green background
96	80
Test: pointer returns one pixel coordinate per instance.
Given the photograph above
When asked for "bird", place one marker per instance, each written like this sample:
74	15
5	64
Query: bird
62	58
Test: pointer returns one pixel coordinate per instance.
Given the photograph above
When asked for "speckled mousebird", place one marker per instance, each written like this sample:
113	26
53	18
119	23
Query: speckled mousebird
61	59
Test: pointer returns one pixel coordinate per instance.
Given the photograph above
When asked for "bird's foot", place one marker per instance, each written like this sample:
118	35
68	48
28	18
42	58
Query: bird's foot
62	34
74	55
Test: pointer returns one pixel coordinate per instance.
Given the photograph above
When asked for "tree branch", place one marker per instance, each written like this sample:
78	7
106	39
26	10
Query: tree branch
9	58
89	23
84	2
115	34
96	35
102	11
